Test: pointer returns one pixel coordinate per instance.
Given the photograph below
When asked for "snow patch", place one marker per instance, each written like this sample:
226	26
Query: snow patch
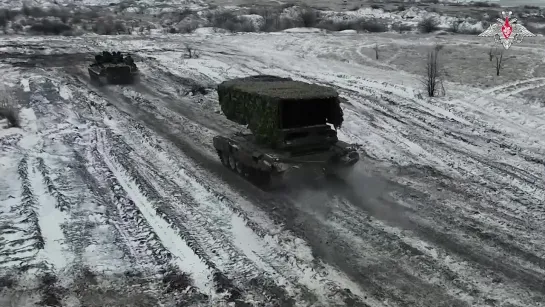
304	30
65	92
26	84
185	258
50	221
28	119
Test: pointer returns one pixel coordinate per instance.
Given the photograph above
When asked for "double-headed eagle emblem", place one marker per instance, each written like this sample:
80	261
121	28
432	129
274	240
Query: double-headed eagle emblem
507	31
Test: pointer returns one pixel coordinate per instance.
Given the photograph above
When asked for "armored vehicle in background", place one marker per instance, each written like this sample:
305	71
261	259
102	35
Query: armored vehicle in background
290	124
114	68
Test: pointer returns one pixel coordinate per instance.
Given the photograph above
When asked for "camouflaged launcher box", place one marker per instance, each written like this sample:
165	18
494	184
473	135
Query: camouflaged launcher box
268	105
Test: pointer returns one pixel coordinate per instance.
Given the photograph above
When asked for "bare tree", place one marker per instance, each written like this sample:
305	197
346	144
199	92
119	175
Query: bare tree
433	79
190	53
376	51
498	55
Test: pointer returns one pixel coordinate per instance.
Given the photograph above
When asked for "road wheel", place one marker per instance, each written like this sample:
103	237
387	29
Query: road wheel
240	168
232	162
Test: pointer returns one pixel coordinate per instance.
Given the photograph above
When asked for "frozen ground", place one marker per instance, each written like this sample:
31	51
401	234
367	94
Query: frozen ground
114	196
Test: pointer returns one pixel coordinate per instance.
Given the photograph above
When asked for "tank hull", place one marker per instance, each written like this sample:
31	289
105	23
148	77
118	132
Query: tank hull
270	168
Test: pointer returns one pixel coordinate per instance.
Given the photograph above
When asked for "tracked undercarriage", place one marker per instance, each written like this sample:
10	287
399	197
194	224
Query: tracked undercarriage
270	168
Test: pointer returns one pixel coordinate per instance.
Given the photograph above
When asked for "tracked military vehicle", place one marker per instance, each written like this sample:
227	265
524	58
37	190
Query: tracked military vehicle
114	68
289	125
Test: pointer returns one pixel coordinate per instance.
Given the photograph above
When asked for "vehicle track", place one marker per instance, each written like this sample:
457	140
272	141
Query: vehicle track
253	226
90	176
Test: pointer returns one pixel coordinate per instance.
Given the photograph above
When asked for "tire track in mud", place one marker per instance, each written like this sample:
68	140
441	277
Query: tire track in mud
421	258
145	257
185	147
283	218
509	269
115	158
26	216
504	218
420	139
169	187
80	223
62	203
513	88
135	236
403	275
130	220
192	231
257	281
50	292
448	219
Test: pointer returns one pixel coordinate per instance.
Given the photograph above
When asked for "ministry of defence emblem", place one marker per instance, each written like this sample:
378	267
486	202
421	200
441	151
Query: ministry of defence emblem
507	32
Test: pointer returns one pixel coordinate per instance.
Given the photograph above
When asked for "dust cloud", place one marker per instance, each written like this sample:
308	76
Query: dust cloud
371	194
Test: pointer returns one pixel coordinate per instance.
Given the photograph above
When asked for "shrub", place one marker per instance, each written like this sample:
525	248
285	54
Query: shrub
535	29
309	17
401	28
428	25
471	31
186	27
455	26
109	26
272	23
9	111
50	27
181	15
222	19
230	21
371	25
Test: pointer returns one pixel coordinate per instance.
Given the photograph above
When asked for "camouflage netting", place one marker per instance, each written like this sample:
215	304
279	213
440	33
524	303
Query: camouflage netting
267	104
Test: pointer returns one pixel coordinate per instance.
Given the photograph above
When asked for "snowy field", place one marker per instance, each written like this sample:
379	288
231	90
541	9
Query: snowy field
114	196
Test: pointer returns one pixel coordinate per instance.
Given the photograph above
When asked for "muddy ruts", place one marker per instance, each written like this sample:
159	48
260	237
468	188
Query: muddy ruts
62	204
409	257
173	189
256	228
487	262
163	209
129	214
100	194
27	208
198	232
